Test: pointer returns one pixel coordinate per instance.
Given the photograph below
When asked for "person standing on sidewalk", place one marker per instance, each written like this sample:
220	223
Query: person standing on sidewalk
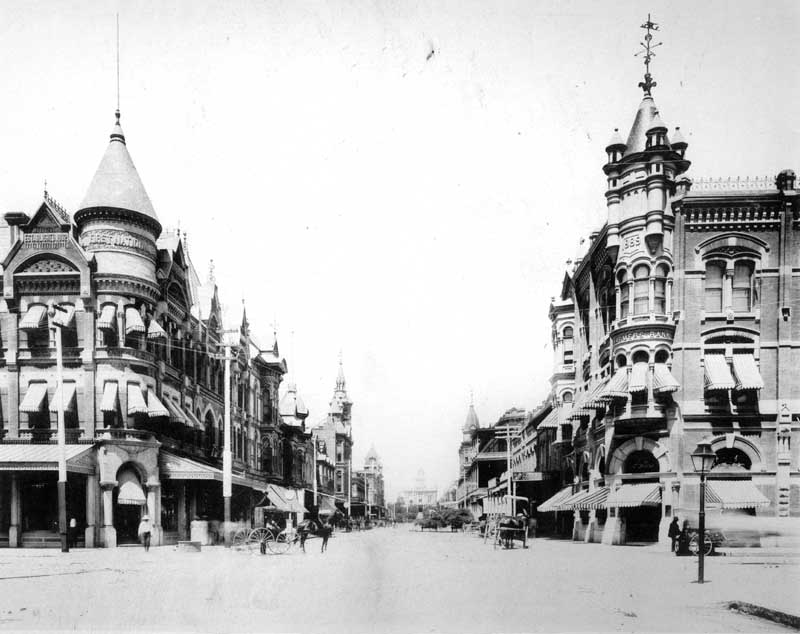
674	533
144	531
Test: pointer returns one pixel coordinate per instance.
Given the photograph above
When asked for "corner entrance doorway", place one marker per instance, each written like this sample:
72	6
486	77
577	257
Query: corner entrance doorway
129	505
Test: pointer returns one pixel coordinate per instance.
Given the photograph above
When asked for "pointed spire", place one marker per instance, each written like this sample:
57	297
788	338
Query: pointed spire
116	183
340	382
472	417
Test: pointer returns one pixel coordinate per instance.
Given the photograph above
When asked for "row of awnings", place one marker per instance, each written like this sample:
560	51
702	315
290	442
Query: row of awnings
729	494
152	406
36	317
745	374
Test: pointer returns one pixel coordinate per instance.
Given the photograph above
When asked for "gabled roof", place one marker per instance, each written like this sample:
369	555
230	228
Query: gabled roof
116	183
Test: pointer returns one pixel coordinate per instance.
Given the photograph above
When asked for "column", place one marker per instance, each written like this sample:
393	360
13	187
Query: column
154	511
14	532
183	532
109	532
91	511
651	402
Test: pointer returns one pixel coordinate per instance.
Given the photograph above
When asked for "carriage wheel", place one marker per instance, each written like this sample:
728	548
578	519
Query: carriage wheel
279	544
240	537
257	537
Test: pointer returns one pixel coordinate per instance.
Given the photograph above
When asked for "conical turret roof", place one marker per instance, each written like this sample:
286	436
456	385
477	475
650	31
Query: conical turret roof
645	116
472	419
116	183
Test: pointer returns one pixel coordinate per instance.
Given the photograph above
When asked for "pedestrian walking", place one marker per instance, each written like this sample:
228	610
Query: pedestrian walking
674	533
144	532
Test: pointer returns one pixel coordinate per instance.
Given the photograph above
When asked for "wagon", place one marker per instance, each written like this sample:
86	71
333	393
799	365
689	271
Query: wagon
270	538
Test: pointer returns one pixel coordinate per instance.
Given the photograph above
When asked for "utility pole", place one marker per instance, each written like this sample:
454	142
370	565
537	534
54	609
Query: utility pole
227	456
508	434
314	440
54	311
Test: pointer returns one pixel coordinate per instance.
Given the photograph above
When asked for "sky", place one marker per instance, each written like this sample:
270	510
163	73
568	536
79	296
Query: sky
401	182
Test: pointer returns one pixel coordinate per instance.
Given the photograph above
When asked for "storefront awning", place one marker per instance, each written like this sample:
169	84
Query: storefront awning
136	404
69	398
326	506
34	398
34	318
638	380
735	494
594	500
155	407
285	499
109	403
192	419
45	458
663	381
155	331
746	370
572	501
133	321
108	318
550	421
130	490
551	504
617	387
595	399
717	373
629	495
176	415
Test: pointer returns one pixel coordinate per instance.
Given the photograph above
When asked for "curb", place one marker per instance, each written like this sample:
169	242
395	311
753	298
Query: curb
776	616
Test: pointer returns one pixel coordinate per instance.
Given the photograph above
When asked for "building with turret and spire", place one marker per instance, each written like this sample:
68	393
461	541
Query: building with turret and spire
677	325
143	378
334	437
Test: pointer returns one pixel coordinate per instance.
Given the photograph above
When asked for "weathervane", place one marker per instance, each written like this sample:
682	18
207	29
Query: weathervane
647	51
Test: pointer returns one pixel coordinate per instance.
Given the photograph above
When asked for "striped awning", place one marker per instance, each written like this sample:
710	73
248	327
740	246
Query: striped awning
617	387
746	371
595	400
136	404
34	398
663	381
551	504
629	495
108	318
155	331
176	415
192	419
34	318
717	373
69	398
572	501
133	321
155	407
550	421
735	494
638	380
109	403
130	490
594	500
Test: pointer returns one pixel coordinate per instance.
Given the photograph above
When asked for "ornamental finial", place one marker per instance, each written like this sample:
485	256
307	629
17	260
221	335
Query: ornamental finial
647	51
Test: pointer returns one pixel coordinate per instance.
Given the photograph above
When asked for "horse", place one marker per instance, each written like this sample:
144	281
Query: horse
316	528
508	526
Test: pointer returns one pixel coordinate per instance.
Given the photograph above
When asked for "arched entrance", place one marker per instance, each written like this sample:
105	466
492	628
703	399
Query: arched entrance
642	522
130	503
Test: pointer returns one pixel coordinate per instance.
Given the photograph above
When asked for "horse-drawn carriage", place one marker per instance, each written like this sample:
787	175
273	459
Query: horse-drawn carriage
504	529
277	536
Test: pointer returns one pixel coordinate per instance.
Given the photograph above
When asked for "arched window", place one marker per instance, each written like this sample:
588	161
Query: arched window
624	295
660	289
641	461
715	273
567	343
641	290
567	397
742	286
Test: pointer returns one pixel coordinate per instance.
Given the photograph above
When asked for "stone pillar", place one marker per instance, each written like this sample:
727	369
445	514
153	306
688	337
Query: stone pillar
91	511
109	532
614	530
193	504
667	512
154	511
183	533
591	528
14	532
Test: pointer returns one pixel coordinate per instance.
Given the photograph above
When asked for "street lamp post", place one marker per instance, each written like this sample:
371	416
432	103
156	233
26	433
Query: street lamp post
57	321
702	461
